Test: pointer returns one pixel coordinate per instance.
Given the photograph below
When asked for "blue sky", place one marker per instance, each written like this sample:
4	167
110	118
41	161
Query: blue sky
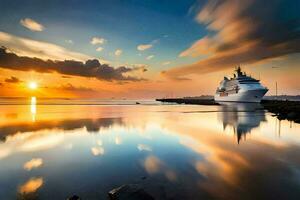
170	27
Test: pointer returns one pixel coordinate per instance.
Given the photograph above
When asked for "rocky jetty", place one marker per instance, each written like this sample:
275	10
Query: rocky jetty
289	110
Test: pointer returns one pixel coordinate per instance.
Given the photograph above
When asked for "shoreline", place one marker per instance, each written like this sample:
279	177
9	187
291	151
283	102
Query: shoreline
289	110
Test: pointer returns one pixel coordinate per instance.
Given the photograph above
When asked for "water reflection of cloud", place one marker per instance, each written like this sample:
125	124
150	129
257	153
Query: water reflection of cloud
227	167
31	141
171	175
69	146
33	163
96	151
4	152
45	141
144	147
92	125
31	185
118	140
208	160
48	134
152	164
11	115
99	142
217	160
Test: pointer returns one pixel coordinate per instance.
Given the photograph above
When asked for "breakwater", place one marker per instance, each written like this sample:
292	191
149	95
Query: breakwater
189	101
289	110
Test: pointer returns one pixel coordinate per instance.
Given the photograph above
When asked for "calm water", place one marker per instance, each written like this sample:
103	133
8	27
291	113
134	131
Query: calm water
173	151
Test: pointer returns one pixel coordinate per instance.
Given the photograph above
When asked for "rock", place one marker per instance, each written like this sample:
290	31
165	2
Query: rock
291	115
129	192
74	197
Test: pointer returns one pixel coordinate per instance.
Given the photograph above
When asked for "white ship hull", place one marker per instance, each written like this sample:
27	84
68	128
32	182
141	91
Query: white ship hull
251	96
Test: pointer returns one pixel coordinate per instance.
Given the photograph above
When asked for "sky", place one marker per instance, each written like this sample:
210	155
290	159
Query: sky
145	49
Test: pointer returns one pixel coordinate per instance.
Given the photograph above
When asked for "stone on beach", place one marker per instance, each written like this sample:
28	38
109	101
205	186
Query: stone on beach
129	192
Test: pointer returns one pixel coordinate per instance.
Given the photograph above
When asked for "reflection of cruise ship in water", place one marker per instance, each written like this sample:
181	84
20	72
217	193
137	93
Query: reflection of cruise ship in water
240	88
241	117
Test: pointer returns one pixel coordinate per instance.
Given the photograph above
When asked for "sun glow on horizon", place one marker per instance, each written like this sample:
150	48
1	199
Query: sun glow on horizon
33	85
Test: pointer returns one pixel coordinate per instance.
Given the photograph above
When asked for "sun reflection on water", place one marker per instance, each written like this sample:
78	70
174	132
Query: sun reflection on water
33	108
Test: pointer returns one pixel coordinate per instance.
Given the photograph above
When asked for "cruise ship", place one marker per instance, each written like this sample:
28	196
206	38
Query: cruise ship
240	88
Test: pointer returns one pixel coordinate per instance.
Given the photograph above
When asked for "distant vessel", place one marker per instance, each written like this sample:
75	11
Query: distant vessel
240	88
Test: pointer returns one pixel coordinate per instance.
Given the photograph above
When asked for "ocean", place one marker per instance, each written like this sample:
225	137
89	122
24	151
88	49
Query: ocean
56	148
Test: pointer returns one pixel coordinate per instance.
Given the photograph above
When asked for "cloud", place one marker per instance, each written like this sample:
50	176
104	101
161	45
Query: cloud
97	40
71	87
150	57
91	68
140	67
175	78
65	76
143	47
12	79
99	49
69	41
166	63
118	52
31	24
241	32
39	49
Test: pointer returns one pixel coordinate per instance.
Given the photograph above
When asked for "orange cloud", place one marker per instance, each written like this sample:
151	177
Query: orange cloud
143	47
31	24
238	33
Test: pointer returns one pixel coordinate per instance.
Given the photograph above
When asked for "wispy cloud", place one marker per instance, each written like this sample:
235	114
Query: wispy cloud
166	63
70	87
69	41
99	49
31	24
239	33
118	52
140	67
34	48
150	57
97	40
143	47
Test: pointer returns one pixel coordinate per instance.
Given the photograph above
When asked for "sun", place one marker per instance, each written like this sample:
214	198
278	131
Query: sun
32	85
